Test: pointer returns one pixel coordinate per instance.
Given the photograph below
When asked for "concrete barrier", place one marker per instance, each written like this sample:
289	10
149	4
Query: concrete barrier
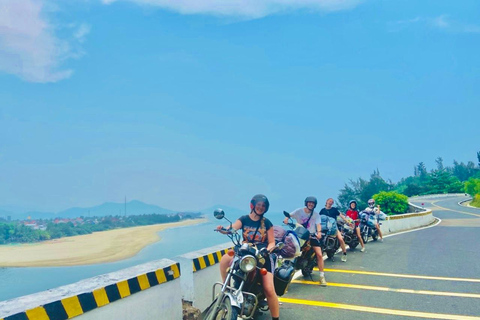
198	275
148	291
407	221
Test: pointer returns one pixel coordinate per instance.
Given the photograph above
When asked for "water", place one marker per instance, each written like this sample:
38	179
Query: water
16	282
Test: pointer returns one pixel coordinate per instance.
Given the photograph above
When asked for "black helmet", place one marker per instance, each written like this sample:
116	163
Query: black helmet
350	203
311	199
259	198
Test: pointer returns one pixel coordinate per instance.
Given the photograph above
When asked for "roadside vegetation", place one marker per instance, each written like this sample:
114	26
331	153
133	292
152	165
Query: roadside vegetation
393	197
40	230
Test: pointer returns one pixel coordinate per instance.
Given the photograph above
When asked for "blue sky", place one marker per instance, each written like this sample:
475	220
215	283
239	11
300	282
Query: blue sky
187	104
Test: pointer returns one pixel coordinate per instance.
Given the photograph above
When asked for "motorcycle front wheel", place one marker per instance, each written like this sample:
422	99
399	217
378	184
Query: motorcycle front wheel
330	254
365	236
374	236
225	311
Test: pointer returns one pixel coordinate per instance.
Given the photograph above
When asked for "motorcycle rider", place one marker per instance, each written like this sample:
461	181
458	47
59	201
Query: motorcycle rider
333	212
371	209
257	229
352	212
310	219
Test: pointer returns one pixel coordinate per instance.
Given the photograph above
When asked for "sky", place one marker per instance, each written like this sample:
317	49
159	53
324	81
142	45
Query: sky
189	104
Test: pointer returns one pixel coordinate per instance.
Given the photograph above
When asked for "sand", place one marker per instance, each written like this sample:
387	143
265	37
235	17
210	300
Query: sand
98	247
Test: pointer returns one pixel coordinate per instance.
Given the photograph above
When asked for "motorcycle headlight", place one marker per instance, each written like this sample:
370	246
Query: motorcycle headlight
248	263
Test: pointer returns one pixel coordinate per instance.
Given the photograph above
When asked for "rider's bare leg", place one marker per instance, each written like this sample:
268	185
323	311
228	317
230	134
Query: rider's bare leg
342	242
272	299
379	231
318	252
224	264
360	237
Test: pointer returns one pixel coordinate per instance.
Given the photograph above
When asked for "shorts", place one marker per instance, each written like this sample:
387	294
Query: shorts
314	242
270	262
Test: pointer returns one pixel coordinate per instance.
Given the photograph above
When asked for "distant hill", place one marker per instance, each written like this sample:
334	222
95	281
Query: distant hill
134	207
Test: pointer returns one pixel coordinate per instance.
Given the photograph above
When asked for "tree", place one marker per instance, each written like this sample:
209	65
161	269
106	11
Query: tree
472	187
439	162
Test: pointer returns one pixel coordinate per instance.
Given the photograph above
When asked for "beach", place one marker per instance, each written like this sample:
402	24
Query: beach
98	247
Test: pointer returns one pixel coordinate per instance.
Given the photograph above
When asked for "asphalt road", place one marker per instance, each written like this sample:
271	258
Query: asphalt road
432	273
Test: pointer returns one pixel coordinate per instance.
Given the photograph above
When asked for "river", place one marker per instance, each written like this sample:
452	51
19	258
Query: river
16	282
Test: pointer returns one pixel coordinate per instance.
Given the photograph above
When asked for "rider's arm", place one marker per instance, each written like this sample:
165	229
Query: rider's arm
271	239
319	230
235	226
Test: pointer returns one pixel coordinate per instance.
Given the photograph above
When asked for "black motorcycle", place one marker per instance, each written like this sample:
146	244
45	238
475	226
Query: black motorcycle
241	294
349	235
307	259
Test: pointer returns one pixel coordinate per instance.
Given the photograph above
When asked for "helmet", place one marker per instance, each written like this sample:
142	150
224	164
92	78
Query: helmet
371	203
259	198
311	199
350	203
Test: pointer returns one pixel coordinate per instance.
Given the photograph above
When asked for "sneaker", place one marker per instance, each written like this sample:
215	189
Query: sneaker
323	282
362	250
344	258
381	240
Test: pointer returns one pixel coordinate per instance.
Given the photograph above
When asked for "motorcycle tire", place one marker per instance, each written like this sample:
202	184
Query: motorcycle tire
225	311
330	254
365	237
353	245
374	237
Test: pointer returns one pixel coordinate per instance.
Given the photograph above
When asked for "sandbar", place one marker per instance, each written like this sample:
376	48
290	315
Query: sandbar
98	247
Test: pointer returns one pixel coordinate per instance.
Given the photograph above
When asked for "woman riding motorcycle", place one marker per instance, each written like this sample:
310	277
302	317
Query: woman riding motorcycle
257	229
352	213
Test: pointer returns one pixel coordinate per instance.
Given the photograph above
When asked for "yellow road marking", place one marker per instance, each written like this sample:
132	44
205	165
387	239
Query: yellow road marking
425	292
378	310
411	276
458	211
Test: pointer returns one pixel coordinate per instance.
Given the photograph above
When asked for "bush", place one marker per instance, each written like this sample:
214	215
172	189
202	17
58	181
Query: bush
472	187
476	201
391	202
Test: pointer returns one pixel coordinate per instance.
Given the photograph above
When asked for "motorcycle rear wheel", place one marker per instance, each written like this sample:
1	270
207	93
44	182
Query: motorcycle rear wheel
225	311
330	254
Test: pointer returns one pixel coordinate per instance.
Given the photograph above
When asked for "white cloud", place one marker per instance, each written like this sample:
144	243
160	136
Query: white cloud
244	8
29	47
81	33
442	22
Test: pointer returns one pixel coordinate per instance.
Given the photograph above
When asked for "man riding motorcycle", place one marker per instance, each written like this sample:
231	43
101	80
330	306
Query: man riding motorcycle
258	230
371	209
310	219
352	213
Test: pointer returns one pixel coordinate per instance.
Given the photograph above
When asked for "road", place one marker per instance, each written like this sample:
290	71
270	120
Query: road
432	273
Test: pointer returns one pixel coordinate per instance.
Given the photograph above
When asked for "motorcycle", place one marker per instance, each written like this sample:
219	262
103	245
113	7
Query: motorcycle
367	225
241	294
330	243
348	232
307	259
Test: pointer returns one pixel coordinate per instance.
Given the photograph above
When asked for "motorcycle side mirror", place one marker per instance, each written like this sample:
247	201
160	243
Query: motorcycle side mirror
219	213
286	214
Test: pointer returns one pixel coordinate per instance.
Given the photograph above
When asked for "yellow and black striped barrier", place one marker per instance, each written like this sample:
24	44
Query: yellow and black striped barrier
79	304
208	260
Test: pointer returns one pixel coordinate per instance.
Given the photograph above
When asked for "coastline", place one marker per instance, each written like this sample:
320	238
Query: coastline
98	247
